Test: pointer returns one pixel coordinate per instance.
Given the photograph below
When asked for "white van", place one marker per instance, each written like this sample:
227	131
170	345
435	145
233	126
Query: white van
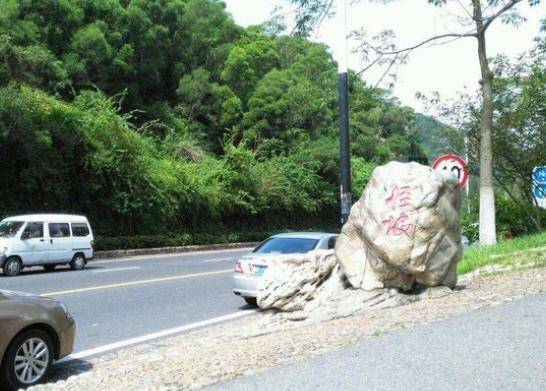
47	240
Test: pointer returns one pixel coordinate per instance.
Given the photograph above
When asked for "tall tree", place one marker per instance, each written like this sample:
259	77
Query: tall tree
482	13
519	124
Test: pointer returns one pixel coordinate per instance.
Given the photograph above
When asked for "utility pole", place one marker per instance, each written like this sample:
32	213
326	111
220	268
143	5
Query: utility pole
345	148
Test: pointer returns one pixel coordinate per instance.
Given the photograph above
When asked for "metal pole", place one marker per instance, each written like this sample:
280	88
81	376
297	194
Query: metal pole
345	150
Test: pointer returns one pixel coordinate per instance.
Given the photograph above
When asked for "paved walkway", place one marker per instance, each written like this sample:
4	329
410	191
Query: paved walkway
499	348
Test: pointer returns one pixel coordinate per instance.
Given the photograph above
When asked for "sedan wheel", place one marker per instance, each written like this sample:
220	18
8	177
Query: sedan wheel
28	360
31	361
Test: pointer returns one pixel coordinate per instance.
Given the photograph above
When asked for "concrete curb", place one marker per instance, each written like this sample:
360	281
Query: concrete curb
170	250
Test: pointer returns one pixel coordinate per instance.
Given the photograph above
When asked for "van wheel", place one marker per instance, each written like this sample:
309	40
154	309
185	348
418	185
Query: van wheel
27	360
12	266
49	268
78	262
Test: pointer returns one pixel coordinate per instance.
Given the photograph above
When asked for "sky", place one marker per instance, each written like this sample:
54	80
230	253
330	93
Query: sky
443	68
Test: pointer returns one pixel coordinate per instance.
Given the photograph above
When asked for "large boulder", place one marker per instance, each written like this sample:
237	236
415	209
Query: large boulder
292	280
404	229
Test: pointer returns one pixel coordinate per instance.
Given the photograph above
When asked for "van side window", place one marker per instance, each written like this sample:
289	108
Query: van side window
332	242
59	230
34	230
80	229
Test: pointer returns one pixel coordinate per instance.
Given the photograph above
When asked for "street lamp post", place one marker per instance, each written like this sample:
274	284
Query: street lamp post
345	148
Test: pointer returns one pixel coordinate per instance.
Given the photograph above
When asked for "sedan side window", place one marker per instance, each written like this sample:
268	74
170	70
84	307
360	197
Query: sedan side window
59	230
33	231
332	242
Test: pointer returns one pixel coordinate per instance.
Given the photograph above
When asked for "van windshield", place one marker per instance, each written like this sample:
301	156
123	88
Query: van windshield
8	229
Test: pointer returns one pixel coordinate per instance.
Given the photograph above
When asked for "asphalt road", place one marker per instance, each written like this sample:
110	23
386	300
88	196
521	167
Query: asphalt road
116	300
499	348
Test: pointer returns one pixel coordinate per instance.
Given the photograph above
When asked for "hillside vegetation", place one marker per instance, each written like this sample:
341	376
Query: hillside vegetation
166	123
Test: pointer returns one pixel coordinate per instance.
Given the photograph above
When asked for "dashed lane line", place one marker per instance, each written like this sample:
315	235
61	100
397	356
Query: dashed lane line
218	260
117	269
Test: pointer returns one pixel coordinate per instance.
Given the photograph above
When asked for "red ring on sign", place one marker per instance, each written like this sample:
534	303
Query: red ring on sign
459	159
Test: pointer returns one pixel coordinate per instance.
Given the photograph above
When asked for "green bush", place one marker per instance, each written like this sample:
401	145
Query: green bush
361	172
511	219
212	236
470	227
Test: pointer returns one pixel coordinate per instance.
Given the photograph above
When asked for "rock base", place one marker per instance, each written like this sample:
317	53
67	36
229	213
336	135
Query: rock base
328	298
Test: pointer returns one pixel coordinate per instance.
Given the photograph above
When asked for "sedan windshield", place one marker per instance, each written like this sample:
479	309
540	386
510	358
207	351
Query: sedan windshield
8	229
286	246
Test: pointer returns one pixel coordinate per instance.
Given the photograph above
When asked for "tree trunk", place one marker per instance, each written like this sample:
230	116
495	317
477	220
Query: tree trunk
488	234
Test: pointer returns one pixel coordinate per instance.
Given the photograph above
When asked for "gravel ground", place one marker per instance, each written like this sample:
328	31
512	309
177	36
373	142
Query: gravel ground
223	352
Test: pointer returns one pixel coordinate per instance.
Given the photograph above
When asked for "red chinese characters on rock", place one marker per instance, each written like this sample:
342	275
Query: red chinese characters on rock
400	197
398	224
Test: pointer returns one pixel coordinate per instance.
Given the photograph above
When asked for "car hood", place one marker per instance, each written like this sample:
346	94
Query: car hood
21	296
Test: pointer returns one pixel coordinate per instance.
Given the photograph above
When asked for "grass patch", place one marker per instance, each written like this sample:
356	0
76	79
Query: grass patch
524	249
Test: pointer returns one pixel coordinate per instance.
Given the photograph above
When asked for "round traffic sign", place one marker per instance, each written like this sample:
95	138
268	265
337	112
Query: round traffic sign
455	164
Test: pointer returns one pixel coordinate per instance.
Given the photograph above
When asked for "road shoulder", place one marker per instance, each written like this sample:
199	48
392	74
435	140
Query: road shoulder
495	348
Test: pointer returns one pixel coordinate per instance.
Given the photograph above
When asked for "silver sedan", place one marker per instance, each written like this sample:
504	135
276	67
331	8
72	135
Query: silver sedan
249	270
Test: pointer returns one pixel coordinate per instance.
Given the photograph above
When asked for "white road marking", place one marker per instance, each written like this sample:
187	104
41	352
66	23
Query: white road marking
157	335
117	269
218	260
169	255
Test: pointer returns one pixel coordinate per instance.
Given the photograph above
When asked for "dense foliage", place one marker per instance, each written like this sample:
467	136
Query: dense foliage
165	117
